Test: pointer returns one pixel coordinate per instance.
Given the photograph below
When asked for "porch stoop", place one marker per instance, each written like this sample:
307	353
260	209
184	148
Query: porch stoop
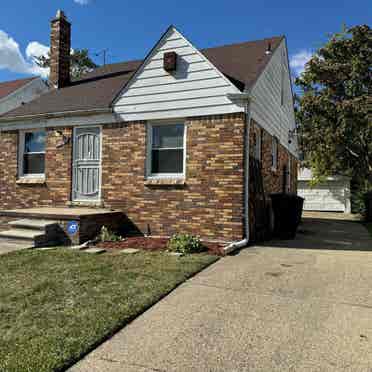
38	233
47	226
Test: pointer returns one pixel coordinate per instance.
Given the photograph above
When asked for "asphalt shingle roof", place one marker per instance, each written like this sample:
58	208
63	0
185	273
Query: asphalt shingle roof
242	63
8	87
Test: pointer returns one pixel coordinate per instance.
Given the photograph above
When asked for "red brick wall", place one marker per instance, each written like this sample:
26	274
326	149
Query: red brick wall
209	204
211	201
273	179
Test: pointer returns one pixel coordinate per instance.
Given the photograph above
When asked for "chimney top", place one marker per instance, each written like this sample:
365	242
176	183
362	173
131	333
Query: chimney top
60	46
60	14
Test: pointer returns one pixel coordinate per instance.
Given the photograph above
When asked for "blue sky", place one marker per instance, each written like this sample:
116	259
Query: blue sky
128	29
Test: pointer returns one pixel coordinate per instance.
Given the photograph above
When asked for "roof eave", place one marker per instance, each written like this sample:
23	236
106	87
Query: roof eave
52	115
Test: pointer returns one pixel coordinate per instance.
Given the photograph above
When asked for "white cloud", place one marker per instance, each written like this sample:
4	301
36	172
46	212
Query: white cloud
82	2
298	61
12	59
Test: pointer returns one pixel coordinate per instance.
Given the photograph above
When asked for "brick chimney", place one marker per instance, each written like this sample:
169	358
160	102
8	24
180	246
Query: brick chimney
60	46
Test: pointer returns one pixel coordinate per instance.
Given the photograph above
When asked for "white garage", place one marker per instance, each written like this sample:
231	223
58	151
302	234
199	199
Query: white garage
332	195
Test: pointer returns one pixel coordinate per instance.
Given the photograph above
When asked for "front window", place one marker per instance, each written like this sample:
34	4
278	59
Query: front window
166	149
32	148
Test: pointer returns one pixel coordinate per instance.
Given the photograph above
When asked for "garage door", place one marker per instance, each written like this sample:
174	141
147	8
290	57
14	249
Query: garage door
329	196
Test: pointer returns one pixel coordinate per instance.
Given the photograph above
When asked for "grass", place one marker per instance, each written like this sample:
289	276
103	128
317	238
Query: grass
56	306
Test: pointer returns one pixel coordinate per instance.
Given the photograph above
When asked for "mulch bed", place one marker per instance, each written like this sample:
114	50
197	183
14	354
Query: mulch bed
155	244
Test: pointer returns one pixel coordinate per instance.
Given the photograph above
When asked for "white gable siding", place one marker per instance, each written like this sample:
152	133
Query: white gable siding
25	94
196	88
266	107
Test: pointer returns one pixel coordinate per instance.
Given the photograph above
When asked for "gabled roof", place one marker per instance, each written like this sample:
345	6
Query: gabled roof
241	63
8	87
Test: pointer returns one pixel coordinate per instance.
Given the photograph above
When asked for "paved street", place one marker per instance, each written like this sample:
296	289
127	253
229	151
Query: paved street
302	305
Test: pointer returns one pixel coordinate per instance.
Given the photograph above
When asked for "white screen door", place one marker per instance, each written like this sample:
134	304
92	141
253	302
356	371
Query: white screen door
86	185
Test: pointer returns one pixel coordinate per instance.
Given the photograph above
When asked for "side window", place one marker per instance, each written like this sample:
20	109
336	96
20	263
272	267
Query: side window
289	171
274	153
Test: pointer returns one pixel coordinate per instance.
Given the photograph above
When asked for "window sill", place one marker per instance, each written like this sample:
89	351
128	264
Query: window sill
31	181
165	181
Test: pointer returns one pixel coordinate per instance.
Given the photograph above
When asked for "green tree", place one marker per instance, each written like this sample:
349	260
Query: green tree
333	110
80	62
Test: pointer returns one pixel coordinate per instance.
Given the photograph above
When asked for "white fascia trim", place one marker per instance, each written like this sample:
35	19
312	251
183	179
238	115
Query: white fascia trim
55	115
78	120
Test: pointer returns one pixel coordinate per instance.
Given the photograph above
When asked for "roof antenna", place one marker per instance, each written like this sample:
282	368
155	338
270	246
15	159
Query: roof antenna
268	49
104	54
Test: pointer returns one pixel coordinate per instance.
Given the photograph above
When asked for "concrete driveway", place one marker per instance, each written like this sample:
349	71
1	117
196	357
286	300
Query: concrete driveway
302	305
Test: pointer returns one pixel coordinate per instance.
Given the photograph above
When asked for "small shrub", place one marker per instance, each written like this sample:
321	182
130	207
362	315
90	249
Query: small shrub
185	243
108	236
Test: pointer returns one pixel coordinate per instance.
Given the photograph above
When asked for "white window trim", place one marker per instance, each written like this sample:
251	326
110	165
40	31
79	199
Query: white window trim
150	175
21	149
274	153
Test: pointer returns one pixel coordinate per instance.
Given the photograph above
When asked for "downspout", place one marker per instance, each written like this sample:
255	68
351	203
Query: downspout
243	99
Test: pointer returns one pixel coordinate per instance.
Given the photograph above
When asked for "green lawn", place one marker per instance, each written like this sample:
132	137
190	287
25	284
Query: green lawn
55	306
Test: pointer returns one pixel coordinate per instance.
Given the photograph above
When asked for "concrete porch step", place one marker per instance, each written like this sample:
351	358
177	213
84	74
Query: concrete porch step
15	242
32	224
22	234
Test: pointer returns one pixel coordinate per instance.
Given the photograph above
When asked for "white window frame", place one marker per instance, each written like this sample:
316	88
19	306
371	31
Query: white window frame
151	175
274	153
21	152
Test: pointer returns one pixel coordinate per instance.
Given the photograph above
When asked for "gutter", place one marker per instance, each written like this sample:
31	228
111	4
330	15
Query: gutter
243	99
53	115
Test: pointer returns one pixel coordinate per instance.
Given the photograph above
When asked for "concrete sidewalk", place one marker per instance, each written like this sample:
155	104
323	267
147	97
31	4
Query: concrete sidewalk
266	309
7	246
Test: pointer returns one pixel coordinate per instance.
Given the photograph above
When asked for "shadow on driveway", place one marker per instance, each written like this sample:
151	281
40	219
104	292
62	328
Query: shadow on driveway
327	233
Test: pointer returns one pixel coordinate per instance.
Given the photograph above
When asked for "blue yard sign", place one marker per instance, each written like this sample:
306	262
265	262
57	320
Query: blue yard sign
72	227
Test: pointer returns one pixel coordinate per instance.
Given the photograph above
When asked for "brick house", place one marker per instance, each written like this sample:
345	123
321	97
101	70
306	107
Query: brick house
164	140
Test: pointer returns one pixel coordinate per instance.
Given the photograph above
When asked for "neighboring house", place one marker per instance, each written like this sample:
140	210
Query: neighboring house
332	195
18	92
164	140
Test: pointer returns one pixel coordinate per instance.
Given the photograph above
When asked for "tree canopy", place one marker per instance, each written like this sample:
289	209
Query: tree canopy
80	62
334	109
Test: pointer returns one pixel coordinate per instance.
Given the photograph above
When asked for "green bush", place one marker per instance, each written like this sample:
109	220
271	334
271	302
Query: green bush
185	243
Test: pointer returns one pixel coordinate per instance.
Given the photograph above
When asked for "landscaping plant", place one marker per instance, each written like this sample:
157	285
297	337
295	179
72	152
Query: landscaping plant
185	243
108	236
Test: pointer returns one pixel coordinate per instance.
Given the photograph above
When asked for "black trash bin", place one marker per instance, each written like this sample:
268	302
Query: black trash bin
287	210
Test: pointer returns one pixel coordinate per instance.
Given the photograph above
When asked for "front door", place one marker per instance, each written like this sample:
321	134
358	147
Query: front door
86	185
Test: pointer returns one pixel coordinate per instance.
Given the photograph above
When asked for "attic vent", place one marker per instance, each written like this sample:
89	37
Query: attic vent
170	61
